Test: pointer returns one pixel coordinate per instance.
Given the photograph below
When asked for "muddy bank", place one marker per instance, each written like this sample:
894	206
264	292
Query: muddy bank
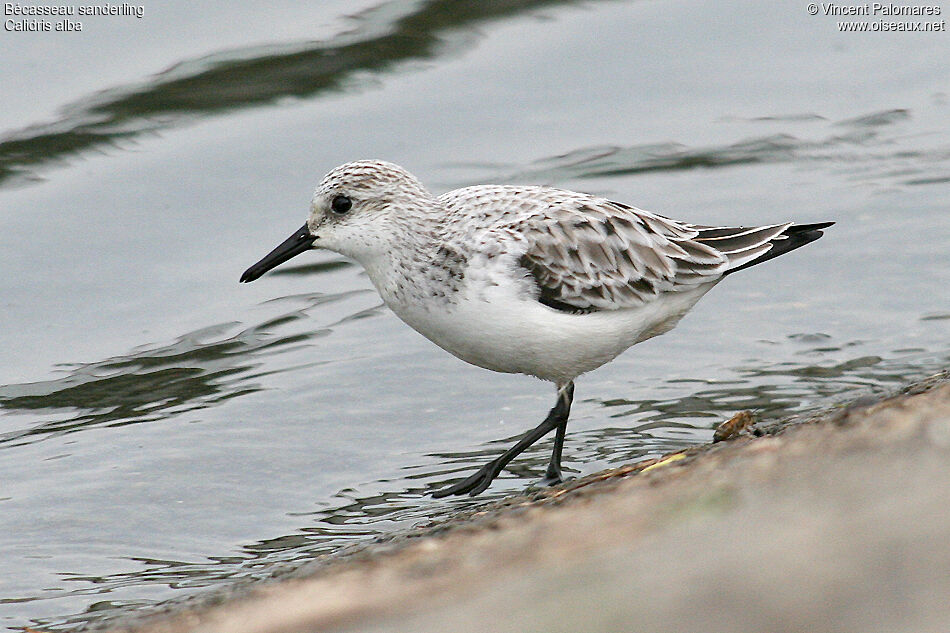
832	523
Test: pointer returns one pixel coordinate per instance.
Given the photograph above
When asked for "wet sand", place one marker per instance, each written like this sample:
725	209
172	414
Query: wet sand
837	522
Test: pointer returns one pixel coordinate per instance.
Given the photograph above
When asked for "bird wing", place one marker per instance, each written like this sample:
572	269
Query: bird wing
602	255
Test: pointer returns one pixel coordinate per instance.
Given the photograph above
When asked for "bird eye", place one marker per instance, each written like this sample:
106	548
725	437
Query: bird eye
341	204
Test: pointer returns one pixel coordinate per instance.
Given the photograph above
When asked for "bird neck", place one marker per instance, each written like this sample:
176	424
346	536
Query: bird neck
403	271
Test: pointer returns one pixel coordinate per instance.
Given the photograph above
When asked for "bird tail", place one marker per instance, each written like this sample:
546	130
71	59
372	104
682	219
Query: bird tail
747	247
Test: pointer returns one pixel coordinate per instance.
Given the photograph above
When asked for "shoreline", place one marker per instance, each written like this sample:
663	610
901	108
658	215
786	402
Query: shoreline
835	521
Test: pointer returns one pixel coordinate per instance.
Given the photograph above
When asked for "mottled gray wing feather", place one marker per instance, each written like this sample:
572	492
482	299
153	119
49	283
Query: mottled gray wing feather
608	256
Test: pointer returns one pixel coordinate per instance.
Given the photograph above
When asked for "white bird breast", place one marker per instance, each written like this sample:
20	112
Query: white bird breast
500	326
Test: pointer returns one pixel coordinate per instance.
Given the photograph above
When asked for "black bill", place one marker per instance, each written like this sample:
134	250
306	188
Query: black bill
297	243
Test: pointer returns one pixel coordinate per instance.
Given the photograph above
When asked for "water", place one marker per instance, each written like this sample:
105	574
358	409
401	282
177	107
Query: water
164	429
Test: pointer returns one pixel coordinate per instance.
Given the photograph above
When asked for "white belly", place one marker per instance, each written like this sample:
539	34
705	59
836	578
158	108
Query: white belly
507	332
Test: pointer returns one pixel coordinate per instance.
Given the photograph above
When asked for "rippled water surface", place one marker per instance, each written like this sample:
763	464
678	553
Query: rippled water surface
165	429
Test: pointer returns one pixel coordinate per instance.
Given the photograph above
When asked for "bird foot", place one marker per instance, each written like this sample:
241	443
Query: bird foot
473	484
479	482
552	478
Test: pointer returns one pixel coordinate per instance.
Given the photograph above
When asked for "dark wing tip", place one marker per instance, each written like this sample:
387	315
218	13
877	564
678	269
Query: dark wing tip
796	236
800	228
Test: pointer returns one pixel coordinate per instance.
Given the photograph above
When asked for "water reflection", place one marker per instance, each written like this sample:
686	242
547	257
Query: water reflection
199	369
641	429
245	78
835	145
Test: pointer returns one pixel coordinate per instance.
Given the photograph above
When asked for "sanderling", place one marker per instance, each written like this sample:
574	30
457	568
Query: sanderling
531	280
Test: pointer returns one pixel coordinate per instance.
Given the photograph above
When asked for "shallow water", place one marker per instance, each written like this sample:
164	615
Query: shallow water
164	429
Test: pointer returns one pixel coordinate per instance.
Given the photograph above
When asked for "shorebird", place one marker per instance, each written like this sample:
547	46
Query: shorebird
524	279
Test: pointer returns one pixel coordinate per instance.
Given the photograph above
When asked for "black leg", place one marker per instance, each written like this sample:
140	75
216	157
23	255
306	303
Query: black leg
557	419
553	474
